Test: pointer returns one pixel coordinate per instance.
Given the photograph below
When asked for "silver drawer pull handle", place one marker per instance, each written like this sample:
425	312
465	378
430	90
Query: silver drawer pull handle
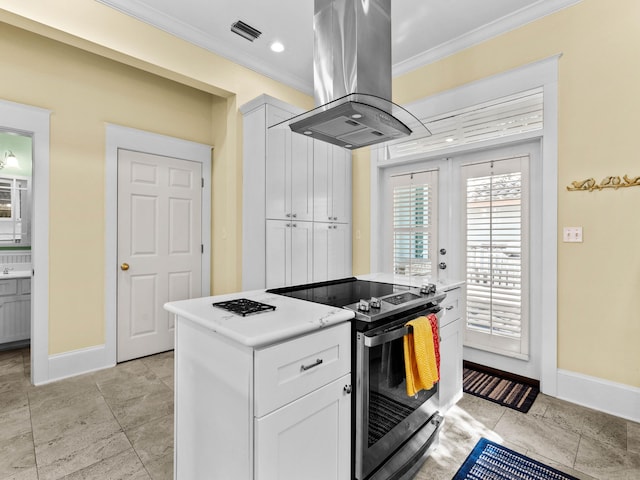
304	368
450	307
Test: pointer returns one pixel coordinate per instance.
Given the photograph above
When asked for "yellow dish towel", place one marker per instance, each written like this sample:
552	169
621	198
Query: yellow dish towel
420	357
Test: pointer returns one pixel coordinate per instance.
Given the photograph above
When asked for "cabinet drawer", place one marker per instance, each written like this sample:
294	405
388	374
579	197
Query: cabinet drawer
8	287
451	307
292	369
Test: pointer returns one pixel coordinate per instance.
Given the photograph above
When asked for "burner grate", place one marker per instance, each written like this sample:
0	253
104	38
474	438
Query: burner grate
244	306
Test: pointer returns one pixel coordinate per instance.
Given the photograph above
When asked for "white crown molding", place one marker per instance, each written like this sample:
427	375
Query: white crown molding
503	25
217	45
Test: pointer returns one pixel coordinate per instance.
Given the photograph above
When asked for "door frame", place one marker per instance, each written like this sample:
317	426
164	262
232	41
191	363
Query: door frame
34	121
543	73
119	137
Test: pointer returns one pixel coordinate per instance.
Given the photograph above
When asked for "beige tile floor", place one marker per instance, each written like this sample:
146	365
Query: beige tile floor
118	424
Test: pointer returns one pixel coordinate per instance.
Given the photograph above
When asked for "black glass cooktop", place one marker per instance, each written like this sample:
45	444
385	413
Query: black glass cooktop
339	293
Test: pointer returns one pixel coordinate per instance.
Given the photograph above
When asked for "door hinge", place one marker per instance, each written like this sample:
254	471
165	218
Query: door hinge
202	182
201	248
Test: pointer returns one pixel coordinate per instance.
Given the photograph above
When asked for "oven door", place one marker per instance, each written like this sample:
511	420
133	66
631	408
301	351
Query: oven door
386	417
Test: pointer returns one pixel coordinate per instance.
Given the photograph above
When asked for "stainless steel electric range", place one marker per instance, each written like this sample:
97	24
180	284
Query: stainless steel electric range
393	432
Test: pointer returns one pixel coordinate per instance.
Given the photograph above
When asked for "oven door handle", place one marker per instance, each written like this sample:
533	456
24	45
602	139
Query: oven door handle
390	335
387	336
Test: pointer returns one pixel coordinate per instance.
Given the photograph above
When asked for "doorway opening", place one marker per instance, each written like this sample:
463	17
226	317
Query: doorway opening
16	163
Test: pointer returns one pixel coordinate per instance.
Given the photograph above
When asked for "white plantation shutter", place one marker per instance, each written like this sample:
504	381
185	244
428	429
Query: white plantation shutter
414	232
495	200
512	115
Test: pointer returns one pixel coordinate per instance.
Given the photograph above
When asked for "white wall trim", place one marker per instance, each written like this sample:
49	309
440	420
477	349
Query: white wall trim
76	362
501	26
35	121
603	395
543	73
138	140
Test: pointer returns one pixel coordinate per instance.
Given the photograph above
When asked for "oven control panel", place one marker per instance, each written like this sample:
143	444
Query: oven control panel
405	298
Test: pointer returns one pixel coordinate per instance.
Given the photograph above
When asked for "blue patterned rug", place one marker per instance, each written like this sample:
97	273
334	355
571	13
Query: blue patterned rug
489	460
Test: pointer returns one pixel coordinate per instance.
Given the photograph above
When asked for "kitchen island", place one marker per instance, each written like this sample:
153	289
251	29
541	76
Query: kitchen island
263	396
269	395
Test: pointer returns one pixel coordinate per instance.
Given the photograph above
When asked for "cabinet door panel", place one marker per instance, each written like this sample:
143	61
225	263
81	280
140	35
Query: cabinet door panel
450	386
278	165
15	318
301	178
278	253
301	252
341	185
322	163
309	438
321	232
339	251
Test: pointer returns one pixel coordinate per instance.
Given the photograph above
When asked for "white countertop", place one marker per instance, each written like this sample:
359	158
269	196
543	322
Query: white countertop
291	317
443	285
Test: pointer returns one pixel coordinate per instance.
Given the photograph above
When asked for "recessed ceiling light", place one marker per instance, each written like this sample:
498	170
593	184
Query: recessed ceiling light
277	47
449	139
307	132
356	115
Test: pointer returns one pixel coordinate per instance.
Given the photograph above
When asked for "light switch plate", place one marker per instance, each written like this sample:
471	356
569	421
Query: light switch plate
572	234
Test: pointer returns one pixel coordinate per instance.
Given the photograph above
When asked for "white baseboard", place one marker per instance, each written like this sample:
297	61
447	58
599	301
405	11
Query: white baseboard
77	362
609	397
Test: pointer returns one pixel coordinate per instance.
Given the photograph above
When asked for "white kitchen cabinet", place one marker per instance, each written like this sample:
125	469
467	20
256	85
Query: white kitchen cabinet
288	170
289	177
451	347
279	412
331	183
331	251
309	438
15	309
289	246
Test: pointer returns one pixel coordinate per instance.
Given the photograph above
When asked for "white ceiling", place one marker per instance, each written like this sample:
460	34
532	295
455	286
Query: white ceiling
422	30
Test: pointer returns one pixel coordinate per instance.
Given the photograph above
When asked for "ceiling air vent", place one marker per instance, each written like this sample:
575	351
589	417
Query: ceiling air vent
245	30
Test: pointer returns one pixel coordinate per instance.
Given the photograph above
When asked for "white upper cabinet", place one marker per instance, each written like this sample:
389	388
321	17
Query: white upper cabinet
290	184
331	183
288	170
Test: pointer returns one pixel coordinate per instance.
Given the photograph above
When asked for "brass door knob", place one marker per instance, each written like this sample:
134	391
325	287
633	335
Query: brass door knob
124	266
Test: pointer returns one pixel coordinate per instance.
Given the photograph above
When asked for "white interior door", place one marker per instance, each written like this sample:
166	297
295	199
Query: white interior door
159	247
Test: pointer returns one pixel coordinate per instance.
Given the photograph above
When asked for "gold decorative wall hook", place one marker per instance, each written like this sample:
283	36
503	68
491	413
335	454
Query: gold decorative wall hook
607	182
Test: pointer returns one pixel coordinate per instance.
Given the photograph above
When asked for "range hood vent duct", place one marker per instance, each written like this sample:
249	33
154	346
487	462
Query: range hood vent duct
352	78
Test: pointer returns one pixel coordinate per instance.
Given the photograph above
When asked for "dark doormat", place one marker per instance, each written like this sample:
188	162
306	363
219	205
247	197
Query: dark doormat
499	389
491	460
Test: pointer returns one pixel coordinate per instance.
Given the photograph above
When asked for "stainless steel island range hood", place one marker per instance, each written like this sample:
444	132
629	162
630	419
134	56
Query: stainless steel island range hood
352	78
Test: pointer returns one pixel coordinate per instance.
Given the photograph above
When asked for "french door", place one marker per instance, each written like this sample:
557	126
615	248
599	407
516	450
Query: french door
495	238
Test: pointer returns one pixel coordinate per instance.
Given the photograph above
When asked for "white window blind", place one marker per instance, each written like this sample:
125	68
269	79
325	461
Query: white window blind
414	233
496	251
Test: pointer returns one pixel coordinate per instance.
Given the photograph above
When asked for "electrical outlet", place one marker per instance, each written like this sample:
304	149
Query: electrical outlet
572	234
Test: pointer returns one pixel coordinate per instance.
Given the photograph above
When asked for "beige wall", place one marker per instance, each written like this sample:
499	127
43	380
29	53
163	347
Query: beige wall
599	106
129	81
599	280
